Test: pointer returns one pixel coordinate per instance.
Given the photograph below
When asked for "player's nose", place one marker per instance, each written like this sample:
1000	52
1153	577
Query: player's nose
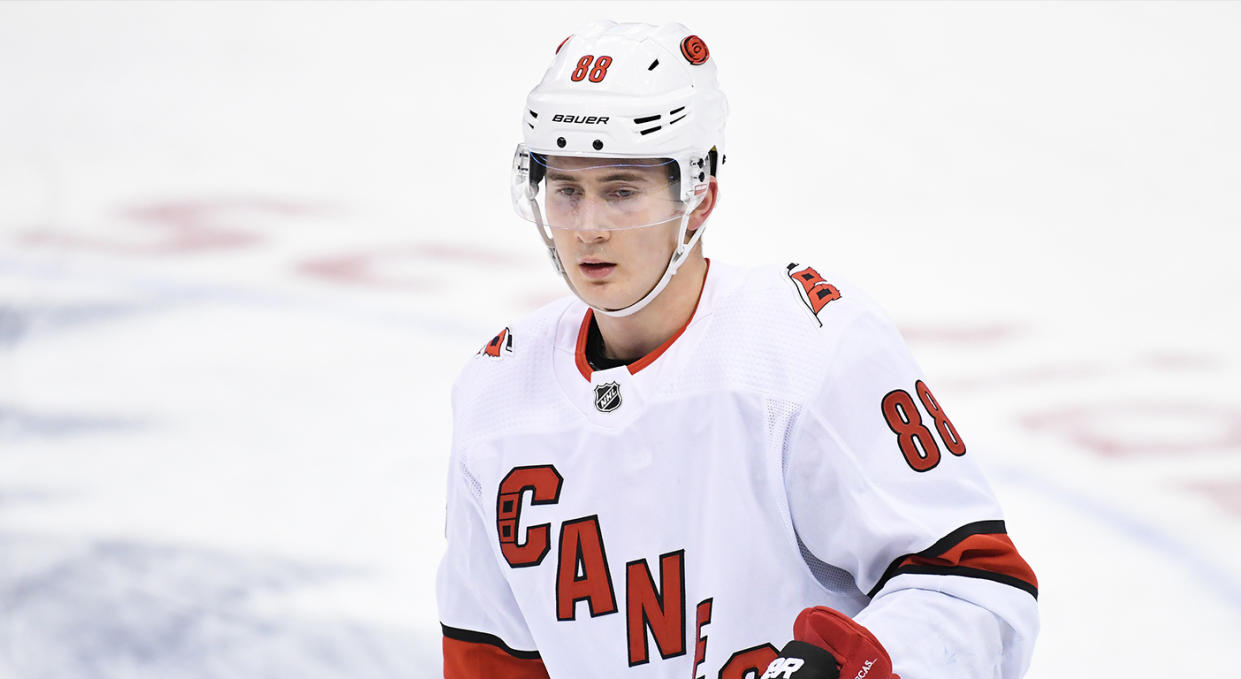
591	228
593	235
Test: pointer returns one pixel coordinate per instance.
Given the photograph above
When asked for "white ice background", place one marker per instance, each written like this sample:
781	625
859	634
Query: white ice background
245	248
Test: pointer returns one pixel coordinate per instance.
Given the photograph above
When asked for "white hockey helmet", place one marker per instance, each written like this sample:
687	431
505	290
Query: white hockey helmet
625	94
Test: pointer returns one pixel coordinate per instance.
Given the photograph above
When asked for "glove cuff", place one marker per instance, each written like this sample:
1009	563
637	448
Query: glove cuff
858	652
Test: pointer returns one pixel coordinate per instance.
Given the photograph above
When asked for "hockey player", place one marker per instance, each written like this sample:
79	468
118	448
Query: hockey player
686	463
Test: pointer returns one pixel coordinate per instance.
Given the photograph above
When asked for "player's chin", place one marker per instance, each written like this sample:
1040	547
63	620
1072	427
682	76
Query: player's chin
598	295
603	294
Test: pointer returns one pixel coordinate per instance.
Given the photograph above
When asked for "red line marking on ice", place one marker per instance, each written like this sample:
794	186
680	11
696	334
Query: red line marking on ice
182	227
1094	427
1042	374
1183	361
963	334
1225	494
376	268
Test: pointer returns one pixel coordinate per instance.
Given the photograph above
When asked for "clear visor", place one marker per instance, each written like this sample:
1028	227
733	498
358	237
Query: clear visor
596	194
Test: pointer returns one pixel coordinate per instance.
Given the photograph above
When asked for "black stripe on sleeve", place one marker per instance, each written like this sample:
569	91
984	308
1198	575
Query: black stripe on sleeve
483	638
955	537
965	571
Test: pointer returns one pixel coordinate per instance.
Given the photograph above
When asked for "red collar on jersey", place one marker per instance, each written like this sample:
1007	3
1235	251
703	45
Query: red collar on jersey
583	366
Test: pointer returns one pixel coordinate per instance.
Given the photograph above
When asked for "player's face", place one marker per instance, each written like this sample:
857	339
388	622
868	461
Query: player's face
615	226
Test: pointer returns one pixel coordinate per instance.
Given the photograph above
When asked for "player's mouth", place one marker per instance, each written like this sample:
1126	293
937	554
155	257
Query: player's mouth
595	268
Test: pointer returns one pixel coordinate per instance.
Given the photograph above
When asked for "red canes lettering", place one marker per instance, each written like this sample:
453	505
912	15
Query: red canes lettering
545	483
661	610
749	662
700	642
583	572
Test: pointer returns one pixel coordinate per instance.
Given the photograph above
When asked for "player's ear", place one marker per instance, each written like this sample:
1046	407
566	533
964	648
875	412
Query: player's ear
700	213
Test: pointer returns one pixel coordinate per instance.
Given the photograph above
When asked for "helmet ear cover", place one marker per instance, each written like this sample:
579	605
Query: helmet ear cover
537	167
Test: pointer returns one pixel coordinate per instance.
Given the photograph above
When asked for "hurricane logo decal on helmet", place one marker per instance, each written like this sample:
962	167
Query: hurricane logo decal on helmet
656	119
695	50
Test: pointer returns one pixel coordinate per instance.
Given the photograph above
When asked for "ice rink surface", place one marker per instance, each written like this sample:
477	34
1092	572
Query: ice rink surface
244	250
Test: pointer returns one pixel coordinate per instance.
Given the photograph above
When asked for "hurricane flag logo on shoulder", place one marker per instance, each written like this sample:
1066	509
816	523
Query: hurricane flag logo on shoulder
499	345
815	292
607	397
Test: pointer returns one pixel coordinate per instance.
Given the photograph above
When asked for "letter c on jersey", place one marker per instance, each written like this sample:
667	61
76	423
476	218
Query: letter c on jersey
545	482
749	662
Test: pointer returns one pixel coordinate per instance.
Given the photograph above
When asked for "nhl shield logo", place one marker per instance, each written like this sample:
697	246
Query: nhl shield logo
607	397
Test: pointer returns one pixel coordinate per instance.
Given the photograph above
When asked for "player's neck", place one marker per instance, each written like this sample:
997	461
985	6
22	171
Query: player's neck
632	337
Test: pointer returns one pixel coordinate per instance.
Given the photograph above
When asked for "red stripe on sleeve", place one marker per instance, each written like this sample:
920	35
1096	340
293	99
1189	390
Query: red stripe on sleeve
994	553
475	660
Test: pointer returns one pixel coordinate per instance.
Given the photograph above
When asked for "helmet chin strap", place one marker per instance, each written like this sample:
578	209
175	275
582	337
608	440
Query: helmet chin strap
674	262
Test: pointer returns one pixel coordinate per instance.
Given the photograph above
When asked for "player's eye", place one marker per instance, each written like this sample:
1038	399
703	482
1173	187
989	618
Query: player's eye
623	193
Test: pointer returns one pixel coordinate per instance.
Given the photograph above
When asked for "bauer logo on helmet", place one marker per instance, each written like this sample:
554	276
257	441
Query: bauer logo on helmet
580	120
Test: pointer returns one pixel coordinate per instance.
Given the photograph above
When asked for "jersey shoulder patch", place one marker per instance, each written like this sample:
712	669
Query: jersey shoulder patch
507	385
500	346
815	292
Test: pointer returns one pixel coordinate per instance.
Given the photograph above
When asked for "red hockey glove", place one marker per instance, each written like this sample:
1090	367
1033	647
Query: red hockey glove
828	644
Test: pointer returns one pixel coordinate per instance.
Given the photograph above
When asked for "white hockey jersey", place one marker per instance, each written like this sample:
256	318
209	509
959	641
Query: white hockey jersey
670	518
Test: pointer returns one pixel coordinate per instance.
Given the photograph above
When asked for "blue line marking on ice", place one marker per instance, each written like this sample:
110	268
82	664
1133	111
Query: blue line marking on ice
16	424
1221	582
12	325
165	610
160	292
14	496
20	323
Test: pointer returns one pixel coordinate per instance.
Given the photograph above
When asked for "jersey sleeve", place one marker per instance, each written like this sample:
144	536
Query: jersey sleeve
485	634
882	485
